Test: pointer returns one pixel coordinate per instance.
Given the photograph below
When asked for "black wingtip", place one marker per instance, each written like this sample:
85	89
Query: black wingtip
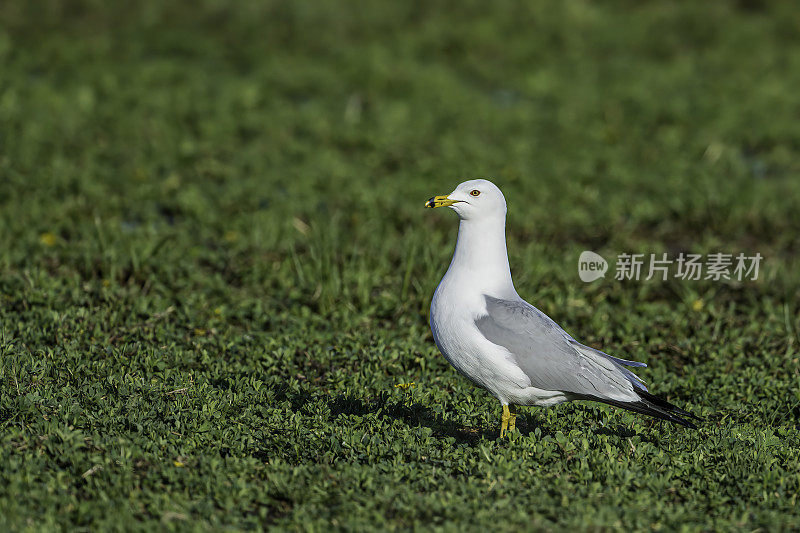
664	404
657	407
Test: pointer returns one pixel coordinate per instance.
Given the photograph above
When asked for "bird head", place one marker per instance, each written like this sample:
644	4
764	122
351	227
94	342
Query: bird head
473	199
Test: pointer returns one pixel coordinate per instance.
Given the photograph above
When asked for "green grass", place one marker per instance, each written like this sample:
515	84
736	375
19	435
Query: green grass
215	266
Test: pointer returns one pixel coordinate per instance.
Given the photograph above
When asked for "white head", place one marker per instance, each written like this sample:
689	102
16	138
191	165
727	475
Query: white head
473	199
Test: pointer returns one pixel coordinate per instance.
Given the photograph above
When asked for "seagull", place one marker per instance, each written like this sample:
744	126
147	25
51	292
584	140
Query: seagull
509	347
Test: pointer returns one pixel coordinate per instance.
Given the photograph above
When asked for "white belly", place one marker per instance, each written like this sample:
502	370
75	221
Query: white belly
486	364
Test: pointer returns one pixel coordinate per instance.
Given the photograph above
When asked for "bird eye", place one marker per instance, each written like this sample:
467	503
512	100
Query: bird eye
474	192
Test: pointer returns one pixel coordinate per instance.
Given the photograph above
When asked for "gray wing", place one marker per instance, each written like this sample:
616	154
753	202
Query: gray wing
552	359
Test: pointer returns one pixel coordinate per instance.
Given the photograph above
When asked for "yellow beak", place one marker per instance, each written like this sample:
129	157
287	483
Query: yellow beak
440	201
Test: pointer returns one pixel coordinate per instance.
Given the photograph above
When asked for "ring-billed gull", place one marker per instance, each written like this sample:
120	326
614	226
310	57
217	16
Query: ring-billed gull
507	346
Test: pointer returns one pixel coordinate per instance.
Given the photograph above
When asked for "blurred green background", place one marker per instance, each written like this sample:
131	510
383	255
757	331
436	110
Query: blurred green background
215	266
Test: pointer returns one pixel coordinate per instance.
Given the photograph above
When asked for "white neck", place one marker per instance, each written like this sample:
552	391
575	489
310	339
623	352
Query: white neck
480	260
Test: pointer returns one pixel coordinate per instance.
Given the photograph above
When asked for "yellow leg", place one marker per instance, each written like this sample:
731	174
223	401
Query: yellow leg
504	420
508	422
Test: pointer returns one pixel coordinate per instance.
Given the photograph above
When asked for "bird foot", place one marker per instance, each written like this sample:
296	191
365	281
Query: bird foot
508	420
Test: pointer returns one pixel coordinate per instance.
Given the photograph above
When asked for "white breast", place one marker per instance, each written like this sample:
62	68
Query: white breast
488	365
